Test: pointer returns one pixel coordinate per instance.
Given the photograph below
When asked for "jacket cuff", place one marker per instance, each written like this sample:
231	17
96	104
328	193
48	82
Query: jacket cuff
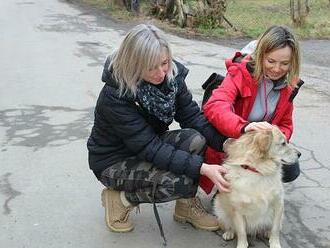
194	167
242	129
214	138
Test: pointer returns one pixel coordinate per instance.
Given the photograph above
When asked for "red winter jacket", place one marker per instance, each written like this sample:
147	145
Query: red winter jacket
231	103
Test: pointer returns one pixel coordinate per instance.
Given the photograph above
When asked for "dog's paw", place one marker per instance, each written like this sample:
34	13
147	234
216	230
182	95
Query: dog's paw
228	235
274	244
242	244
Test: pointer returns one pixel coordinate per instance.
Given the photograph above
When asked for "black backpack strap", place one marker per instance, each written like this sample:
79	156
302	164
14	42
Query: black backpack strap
296	89
210	84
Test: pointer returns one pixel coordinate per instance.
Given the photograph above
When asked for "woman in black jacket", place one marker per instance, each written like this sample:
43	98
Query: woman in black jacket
131	150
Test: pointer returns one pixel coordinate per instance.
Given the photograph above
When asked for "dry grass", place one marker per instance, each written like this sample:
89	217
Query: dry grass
249	17
252	17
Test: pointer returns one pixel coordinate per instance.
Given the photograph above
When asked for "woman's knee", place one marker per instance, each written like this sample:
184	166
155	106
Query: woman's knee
198	143
187	139
179	186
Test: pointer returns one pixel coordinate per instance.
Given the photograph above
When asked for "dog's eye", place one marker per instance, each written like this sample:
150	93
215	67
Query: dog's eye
283	143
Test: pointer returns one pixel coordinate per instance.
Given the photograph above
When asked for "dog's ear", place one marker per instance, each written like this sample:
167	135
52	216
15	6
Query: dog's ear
264	140
227	144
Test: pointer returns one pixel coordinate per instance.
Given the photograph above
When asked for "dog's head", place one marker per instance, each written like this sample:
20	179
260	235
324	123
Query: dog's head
262	148
280	150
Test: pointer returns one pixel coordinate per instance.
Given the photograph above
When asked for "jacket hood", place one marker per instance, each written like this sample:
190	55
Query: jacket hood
107	76
182	71
238	66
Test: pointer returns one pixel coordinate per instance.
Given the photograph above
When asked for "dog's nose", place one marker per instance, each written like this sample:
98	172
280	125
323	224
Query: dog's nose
299	154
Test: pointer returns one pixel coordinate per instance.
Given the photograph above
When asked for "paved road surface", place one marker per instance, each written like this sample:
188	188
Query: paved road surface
51	56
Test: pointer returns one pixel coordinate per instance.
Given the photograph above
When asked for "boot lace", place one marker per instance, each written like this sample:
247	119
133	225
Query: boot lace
124	216
137	209
197	207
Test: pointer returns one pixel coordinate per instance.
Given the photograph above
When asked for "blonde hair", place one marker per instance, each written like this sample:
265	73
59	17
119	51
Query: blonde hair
140	52
274	38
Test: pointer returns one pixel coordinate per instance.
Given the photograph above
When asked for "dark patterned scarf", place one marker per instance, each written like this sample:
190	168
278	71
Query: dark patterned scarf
158	101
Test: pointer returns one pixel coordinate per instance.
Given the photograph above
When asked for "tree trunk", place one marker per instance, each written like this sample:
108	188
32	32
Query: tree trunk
169	9
299	12
307	6
191	13
181	17
129	5
135	6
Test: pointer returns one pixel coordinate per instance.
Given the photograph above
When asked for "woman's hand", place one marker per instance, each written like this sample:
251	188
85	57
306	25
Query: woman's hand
255	126
216	174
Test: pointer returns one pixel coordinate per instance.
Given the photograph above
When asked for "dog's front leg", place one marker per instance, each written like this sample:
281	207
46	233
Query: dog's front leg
240	228
274	239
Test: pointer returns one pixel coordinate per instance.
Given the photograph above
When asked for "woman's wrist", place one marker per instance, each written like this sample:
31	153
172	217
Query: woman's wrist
202	169
243	128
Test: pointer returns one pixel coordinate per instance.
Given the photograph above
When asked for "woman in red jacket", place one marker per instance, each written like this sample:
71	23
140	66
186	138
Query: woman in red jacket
255	93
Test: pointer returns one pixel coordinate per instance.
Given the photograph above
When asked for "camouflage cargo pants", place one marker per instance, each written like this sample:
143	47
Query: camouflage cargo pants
142	182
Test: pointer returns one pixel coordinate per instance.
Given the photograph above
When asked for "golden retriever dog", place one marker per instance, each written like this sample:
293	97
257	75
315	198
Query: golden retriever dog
255	204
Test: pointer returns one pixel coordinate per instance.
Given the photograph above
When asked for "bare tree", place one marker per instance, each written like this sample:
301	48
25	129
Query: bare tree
299	11
130	5
190	13
170	8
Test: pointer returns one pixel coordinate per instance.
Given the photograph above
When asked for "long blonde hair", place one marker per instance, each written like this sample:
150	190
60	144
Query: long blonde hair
139	52
276	37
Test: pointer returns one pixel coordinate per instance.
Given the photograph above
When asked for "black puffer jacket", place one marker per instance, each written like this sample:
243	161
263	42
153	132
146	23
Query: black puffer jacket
122	129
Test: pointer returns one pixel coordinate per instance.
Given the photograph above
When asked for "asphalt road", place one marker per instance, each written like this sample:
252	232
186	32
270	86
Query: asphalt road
51	57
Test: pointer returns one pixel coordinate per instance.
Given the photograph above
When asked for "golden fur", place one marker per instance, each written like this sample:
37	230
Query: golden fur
256	201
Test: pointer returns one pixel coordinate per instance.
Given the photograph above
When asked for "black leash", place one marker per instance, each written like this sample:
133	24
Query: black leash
157	215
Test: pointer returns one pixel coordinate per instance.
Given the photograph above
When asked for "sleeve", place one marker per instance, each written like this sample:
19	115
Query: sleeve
219	109
189	115
139	137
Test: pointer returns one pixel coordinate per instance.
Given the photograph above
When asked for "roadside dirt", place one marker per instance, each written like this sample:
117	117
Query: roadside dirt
316	52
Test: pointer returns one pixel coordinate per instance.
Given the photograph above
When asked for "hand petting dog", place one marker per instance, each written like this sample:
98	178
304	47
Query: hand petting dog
216	174
255	126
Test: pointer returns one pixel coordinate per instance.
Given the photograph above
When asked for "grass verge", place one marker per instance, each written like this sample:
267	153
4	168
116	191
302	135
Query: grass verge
249	17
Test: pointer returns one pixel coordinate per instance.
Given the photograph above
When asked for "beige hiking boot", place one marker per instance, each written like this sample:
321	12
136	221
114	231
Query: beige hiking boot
116	214
192	211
